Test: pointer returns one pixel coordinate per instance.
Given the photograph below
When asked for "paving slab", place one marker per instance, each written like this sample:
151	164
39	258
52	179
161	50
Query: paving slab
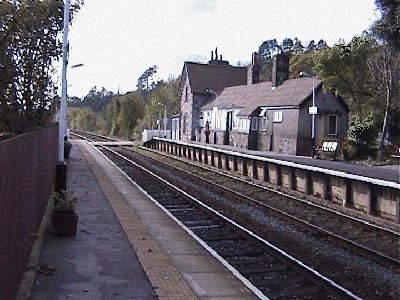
209	280
99	262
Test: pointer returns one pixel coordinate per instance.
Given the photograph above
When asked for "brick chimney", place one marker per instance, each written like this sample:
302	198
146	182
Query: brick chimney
216	61
253	74
280	69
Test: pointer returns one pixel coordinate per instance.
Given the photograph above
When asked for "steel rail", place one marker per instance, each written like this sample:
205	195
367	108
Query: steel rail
313	275
339	240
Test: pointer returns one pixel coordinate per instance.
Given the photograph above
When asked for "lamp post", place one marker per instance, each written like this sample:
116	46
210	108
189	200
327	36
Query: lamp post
63	104
209	91
61	170
313	118
212	92
313	111
165	116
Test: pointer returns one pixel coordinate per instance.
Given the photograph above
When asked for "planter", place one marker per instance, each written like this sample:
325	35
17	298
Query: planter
64	224
67	149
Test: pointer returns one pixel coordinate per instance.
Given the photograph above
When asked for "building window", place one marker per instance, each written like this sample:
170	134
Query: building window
244	124
254	123
332	125
185	125
263	123
277	116
263	119
186	94
235	119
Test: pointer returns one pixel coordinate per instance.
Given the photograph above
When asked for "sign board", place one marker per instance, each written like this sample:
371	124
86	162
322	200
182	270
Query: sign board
312	110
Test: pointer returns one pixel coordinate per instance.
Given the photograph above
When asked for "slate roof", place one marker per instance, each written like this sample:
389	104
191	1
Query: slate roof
292	93
213	77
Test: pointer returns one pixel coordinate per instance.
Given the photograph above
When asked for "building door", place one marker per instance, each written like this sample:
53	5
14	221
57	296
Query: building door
253	134
276	137
228	128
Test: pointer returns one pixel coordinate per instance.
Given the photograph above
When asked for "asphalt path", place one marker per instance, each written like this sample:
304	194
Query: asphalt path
388	172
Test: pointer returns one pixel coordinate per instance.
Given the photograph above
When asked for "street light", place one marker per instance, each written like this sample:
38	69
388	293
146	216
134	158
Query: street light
211	91
77	66
61	171
312	110
165	115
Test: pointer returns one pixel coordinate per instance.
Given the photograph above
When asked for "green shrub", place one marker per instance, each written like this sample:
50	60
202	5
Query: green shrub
361	139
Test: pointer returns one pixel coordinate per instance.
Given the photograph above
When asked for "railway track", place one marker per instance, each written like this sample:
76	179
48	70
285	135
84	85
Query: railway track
373	242
92	137
269	271
366	235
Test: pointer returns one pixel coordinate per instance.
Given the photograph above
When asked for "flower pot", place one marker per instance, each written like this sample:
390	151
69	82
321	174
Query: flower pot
64	224
67	149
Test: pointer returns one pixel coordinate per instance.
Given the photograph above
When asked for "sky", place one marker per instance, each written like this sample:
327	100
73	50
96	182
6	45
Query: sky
116	41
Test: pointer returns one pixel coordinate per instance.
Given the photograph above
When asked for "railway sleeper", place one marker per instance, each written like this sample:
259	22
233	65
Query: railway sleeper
279	277
219	237
257	270
311	292
203	227
199	223
187	214
180	208
227	252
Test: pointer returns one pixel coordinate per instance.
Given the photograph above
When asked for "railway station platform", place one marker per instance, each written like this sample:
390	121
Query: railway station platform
125	247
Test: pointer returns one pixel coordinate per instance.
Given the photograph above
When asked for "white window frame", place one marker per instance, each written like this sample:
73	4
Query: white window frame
278	116
214	115
263	120
235	119
254	123
264	123
206	117
244	124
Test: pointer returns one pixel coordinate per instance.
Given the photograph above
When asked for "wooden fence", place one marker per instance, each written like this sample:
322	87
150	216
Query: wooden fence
27	174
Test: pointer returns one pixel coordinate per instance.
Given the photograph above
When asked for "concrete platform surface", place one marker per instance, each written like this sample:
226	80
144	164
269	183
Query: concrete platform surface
126	247
98	263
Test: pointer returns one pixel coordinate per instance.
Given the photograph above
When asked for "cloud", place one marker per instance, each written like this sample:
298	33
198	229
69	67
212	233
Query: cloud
201	6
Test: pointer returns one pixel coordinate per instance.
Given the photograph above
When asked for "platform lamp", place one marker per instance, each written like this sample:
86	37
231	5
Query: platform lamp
61	170
165	115
313	111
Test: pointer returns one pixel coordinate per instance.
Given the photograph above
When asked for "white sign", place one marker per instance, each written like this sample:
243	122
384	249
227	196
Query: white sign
312	110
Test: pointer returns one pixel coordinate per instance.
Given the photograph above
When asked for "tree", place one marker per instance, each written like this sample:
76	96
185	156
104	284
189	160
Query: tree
311	45
147	81
360	138
302	62
265	53
95	99
344	69
287	45
165	94
129	114
388	27
84	119
297	46
384	66
29	47
321	44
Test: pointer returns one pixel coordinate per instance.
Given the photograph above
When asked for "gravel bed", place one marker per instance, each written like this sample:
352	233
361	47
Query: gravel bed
367	279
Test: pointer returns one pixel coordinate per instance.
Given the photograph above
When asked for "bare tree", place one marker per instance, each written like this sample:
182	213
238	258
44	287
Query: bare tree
384	67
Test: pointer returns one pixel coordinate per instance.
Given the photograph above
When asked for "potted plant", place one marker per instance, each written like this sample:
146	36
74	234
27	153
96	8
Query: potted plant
64	219
67	147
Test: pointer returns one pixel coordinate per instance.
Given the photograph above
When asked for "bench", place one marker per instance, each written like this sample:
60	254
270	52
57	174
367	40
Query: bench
329	147
396	156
